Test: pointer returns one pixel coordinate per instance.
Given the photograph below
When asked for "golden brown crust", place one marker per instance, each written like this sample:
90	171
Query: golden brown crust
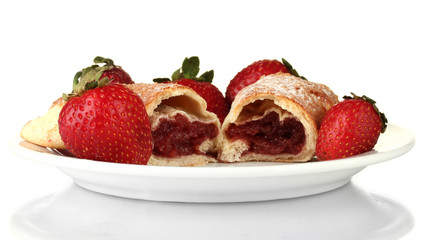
193	160
154	93
287	95
315	98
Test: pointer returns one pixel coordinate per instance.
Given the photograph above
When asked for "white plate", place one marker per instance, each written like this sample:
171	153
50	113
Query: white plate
347	213
239	182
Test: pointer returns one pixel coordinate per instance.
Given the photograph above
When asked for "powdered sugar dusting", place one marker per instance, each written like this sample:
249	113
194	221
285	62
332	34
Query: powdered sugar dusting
315	98
149	91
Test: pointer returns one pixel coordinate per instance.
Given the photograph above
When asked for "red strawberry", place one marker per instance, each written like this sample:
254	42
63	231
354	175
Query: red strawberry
187	76
349	128
113	72
106	122
253	72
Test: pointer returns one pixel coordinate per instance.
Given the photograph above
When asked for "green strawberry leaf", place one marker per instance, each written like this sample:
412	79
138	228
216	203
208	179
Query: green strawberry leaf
107	61
161	80
291	69
206	77
76	80
89	77
189	70
191	67
91	85
177	75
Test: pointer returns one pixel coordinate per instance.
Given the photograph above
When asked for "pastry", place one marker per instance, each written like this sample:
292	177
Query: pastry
184	133
43	130
275	119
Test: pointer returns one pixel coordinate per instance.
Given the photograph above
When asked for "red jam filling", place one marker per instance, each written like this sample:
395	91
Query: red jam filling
269	135
178	136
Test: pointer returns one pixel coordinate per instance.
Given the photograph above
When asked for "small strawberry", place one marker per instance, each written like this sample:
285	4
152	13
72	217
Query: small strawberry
114	73
187	76
349	128
253	72
106	121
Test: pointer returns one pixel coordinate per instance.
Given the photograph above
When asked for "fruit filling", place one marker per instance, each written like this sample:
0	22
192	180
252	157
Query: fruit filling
269	135
177	136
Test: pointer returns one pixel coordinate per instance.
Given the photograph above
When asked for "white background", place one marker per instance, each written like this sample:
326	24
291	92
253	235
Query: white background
375	48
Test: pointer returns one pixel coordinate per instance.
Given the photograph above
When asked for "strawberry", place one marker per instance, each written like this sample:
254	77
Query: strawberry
187	76
106	121
113	72
349	128
253	72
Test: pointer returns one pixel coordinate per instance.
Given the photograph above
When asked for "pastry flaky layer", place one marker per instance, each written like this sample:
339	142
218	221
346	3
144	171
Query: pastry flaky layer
162	101
44	130
165	101
289	97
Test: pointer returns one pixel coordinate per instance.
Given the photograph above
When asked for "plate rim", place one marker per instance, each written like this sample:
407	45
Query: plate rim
234	171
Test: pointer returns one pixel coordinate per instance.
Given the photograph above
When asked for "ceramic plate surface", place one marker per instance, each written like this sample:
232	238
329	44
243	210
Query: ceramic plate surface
236	182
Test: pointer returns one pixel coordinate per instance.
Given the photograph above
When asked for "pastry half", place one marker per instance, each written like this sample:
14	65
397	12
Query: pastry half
275	119
184	133
44	130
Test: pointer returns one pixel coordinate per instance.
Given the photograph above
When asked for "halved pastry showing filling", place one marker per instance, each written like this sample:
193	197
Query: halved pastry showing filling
184	133
275	119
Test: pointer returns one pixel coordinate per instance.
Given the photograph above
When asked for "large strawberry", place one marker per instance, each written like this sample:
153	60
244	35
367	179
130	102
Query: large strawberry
187	76
349	128
107	122
253	72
